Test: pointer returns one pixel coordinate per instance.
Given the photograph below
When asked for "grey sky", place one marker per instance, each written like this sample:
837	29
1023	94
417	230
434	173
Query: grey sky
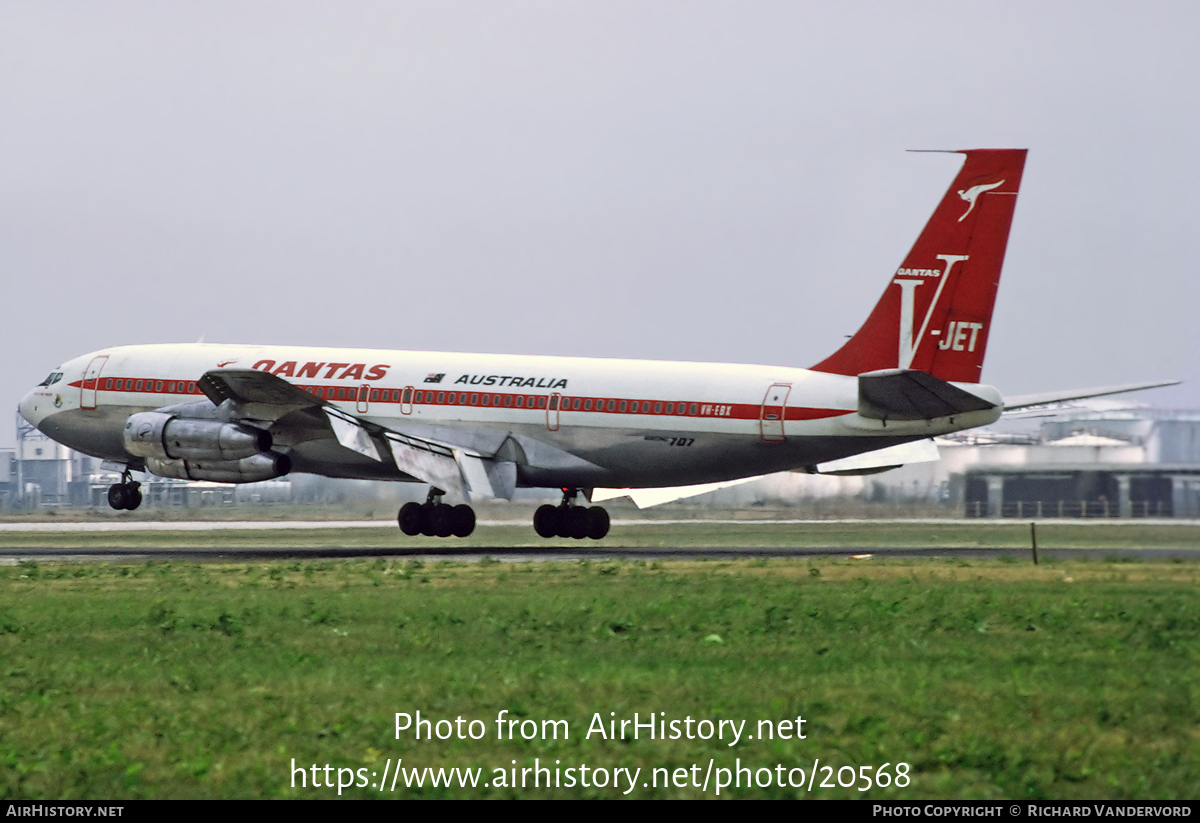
671	180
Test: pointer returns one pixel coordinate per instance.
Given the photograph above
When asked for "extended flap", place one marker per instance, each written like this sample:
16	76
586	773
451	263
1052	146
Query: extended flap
428	462
353	436
487	478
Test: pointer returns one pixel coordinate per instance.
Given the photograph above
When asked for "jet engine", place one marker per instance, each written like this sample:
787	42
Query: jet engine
165	437
247	470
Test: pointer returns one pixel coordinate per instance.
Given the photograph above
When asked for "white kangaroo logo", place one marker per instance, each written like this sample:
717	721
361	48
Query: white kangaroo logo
972	194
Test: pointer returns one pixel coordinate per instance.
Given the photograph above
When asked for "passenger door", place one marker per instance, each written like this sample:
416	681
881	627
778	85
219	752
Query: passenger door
91	379
774	412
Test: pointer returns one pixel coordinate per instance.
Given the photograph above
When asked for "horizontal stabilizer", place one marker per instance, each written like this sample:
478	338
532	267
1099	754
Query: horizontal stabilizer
906	394
920	451
1024	401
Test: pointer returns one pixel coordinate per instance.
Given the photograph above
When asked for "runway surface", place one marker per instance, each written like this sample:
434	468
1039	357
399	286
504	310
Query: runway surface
13	556
268	525
30	533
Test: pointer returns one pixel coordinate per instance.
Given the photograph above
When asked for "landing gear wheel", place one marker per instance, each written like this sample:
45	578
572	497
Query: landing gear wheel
427	510
598	522
576	523
440	521
411	519
462	520
569	520
126	494
562	523
545	521
435	519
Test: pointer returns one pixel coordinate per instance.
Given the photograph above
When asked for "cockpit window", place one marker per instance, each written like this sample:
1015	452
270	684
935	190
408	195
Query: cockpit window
52	378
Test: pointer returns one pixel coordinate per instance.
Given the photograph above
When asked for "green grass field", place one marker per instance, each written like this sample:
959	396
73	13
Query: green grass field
1071	679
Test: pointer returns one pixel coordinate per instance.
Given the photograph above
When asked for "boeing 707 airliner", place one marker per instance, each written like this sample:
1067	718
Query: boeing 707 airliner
480	426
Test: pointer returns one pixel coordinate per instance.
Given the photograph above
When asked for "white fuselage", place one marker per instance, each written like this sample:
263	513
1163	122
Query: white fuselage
630	423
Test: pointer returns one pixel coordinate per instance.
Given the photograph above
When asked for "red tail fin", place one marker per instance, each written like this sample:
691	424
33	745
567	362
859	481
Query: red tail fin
935	313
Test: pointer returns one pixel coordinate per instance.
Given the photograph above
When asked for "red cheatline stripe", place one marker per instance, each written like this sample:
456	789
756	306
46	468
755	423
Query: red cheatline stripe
504	400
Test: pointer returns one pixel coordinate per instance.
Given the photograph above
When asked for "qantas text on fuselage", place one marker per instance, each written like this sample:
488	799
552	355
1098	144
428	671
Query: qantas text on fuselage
313	369
360	371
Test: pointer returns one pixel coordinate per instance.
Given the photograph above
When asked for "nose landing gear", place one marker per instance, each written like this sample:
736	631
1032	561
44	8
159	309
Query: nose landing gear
433	518
569	520
126	494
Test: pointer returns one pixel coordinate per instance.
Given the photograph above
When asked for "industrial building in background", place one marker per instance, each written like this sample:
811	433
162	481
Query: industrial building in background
1124	462
1091	461
1117	463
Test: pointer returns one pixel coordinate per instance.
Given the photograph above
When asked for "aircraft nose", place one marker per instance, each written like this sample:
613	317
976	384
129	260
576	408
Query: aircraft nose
32	407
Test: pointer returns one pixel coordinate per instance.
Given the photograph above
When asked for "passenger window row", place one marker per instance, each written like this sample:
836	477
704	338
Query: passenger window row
599	404
442	398
169	386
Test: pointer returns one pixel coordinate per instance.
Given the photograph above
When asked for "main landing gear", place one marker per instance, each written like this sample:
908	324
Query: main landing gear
569	520
433	518
126	494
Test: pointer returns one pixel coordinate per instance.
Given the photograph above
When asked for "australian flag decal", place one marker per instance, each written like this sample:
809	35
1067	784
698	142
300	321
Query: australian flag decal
435	378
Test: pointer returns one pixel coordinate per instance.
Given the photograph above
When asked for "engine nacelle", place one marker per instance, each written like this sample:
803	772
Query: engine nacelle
167	437
247	470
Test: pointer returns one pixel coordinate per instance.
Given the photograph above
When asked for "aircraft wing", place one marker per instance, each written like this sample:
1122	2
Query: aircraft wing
468	463
872	462
1024	401
645	498
881	460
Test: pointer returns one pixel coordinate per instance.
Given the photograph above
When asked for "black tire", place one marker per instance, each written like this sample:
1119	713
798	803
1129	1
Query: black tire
411	518
133	496
427	510
442	521
462	520
577	523
563	522
597	523
545	521
116	496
